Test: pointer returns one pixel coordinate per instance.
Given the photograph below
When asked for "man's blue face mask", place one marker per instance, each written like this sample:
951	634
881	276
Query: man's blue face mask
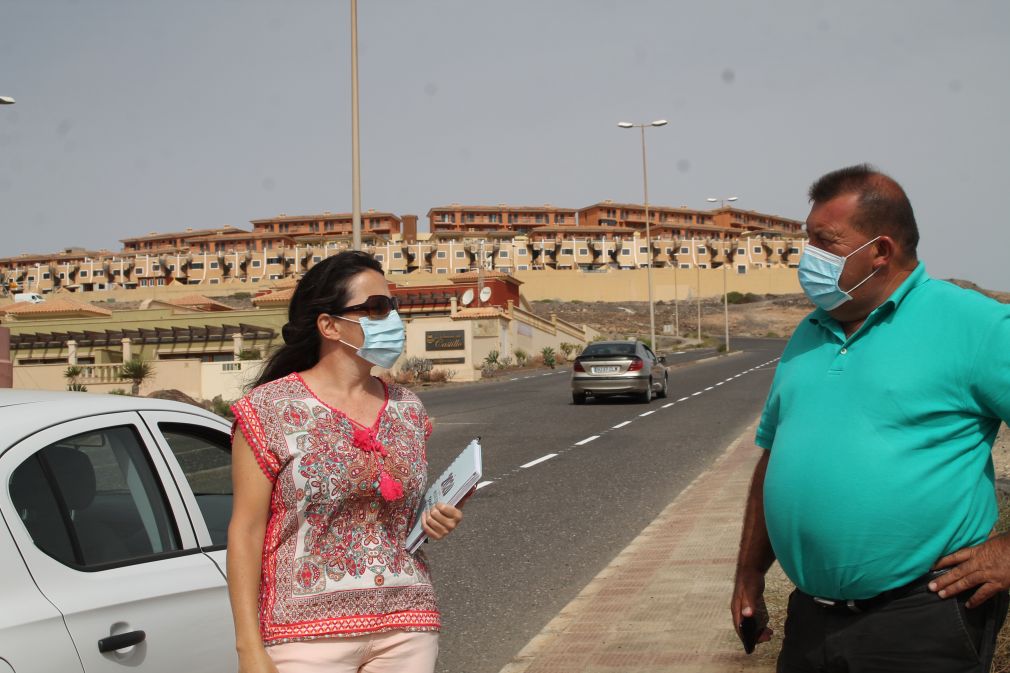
819	273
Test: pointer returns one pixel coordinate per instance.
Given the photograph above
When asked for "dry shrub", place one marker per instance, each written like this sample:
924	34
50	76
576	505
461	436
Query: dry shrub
441	375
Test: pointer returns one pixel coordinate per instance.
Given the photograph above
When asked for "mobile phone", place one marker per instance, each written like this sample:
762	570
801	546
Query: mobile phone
749	632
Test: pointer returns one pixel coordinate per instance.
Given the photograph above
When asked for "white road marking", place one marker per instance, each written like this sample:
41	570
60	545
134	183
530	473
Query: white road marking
483	484
515	379
668	405
647	413
720	383
587	440
696	394
683	399
621	425
539	460
708	389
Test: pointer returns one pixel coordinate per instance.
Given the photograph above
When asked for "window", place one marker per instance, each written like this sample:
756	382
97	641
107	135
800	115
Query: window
256	263
215	281
566	251
701	250
758	249
462	269
440	254
503	254
84	273
271	260
741	268
625	252
521	252
45	276
378	258
196	266
685	266
397	255
214	265
155	267
743	251
583	251
62	275
460	254
685	251
317	259
92	499
643	249
275	276
442	271
205	457
523	267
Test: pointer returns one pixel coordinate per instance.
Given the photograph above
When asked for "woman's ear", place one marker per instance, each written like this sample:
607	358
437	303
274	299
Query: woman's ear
330	327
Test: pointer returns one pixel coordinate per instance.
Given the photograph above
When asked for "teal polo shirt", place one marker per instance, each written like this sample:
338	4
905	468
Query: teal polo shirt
881	442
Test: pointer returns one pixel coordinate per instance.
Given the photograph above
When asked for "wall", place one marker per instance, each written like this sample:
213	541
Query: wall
6	368
182	375
667	283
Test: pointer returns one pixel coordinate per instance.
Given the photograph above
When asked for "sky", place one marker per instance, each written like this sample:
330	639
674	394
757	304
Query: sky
137	116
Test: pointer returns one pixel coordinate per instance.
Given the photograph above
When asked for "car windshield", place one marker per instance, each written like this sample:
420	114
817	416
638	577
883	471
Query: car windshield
598	349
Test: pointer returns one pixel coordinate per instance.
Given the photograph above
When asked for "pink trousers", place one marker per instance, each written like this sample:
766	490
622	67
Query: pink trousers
390	652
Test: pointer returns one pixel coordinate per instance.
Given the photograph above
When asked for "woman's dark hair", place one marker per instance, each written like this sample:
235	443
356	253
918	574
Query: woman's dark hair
323	289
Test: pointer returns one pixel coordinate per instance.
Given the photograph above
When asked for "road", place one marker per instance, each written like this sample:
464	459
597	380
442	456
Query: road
570	486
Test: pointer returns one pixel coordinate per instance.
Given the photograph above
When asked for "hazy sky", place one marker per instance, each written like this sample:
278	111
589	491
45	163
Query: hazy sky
136	116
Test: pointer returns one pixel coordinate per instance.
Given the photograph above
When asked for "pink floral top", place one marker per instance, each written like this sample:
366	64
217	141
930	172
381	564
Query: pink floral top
334	562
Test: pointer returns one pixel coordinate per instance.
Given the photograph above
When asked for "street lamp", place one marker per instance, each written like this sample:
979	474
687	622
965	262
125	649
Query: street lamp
722	201
355	144
648	233
725	254
6	100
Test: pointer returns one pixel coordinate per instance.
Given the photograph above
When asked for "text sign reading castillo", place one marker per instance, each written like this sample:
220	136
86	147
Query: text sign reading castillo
444	340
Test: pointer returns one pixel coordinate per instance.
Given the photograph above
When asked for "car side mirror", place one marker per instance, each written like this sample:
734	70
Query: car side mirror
662	359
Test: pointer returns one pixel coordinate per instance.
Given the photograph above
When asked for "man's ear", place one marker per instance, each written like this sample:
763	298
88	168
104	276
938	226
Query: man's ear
885	251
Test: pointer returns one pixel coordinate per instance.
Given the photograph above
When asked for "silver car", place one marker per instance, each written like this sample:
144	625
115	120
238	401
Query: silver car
112	543
618	368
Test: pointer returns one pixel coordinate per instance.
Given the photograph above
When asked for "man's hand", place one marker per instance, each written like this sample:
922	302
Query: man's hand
986	566
748	601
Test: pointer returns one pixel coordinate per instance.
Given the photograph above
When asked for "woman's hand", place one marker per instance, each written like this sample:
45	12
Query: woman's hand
440	520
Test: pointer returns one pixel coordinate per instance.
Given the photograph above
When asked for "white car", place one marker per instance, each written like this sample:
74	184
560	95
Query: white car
112	548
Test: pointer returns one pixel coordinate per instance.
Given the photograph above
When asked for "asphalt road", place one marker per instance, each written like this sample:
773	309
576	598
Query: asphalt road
570	487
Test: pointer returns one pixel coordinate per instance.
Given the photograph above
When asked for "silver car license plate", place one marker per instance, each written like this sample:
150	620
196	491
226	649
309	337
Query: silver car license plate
609	369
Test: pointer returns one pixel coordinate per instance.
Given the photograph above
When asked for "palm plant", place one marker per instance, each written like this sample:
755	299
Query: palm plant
136	371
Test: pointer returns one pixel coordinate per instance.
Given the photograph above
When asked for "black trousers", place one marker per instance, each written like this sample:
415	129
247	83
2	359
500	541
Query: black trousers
917	633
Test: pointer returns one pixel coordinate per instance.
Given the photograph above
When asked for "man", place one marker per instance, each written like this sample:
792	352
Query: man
875	490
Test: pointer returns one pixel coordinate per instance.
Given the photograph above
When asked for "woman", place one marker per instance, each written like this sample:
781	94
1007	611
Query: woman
329	467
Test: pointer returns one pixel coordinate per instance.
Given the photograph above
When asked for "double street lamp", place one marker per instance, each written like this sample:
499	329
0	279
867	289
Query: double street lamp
648	233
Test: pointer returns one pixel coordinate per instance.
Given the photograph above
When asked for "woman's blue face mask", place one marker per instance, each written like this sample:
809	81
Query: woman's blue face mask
384	339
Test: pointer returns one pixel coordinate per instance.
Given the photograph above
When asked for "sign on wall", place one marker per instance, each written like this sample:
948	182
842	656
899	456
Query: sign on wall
444	340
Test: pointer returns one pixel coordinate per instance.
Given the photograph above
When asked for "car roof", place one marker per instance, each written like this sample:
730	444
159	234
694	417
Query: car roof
24	412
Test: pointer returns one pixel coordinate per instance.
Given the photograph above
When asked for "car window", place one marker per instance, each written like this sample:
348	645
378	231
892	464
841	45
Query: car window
205	457
598	349
93	499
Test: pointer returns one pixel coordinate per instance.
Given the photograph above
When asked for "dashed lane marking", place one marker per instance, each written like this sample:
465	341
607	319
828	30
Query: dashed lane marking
539	460
621	425
587	440
483	484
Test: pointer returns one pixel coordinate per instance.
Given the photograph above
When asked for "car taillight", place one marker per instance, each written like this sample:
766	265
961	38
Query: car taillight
578	367
636	365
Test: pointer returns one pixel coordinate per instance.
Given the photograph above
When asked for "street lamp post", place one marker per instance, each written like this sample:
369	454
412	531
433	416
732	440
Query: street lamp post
725	254
648	233
355	142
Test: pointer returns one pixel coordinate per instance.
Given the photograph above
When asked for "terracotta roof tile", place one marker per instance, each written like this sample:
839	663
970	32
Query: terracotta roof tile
53	306
274	298
477	313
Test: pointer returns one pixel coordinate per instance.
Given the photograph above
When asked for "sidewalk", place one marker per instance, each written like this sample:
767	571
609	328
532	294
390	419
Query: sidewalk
663	603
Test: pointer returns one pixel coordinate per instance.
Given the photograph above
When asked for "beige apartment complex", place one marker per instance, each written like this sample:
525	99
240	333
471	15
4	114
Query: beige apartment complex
602	237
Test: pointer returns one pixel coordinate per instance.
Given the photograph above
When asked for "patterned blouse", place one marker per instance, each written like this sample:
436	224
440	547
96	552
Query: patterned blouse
334	562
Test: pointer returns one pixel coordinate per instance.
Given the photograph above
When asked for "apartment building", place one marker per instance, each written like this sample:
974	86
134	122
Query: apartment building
501	218
606	235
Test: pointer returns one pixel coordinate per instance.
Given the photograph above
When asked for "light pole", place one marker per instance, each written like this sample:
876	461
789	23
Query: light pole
725	261
648	233
355	144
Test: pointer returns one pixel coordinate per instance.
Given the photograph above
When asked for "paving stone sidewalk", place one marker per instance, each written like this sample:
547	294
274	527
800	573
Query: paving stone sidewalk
662	603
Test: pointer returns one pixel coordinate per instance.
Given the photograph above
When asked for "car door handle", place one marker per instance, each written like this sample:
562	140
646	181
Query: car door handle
121	641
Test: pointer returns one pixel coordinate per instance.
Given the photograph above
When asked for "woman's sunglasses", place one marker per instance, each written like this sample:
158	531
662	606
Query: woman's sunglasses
377	307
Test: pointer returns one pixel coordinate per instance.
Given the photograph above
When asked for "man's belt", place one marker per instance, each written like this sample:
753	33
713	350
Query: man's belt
868	604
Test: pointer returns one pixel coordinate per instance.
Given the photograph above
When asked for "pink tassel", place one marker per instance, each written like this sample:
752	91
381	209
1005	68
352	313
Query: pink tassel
389	488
